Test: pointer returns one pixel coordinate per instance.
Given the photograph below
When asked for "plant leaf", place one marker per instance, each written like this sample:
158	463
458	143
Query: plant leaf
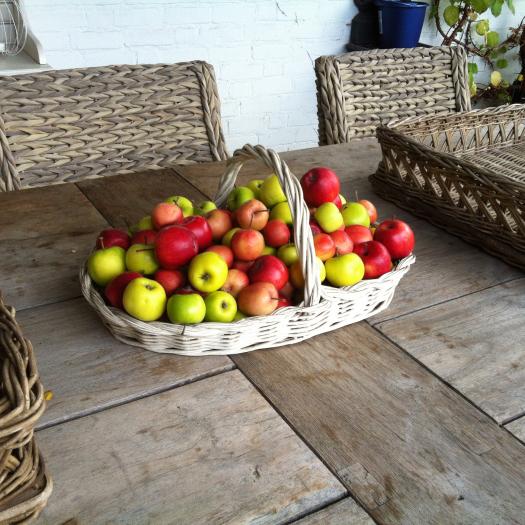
496	7
502	63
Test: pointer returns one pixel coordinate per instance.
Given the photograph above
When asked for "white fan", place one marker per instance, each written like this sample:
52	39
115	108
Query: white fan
13	30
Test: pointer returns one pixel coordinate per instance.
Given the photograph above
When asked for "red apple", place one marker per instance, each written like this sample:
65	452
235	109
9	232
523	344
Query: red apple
337	201
252	214
220	222
166	214
170	280
258	299
269	269
201	229
113	237
358	233
324	246
175	246
247	245
224	251
115	289
144	237
244	266
315	227
276	233
370	208
287	290
343	242
283	301
396	236
375	257
320	185
235	282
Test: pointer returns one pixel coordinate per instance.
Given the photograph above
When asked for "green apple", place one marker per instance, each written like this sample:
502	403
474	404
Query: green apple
183	203
221	307
343	200
269	250
186	309
106	264
282	211
146	223
227	239
288	254
238	196
207	272
238	316
329	217
204	207
144	299
255	186
355	213
271	192
141	258
345	270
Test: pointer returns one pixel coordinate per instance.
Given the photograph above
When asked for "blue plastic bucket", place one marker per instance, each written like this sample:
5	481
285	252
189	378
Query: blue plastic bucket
401	22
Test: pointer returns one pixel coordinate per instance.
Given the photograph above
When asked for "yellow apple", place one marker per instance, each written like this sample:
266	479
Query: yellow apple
345	270
144	299
207	272
106	264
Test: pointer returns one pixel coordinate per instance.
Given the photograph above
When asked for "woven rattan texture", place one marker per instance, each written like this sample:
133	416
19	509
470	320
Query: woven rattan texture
24	484
356	92
324	309
463	172
62	126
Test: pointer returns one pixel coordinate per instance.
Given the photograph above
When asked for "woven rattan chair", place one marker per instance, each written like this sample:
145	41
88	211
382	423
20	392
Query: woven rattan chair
68	125
356	92
24	484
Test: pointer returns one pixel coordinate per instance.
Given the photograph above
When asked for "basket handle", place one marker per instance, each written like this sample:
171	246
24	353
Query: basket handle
300	213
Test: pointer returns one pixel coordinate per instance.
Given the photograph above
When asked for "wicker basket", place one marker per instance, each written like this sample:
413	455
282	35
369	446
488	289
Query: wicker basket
24	484
463	172
324	308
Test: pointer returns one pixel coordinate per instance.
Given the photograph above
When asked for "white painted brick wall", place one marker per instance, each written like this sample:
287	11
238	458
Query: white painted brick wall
262	51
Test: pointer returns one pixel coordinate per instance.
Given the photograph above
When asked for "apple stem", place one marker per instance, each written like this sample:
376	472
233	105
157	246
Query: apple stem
101	242
145	250
356	196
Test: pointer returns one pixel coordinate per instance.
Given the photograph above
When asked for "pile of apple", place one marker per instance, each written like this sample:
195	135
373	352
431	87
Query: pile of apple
193	264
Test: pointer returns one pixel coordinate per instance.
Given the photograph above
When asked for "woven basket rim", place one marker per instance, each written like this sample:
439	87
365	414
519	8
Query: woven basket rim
122	316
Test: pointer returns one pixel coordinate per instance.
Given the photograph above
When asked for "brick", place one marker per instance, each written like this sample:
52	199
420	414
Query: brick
54	41
188	15
240	71
101	17
272	69
135	16
273	85
149	38
96	39
217	34
224	12
108	57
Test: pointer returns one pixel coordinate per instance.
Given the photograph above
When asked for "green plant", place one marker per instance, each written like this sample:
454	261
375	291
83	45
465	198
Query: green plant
461	22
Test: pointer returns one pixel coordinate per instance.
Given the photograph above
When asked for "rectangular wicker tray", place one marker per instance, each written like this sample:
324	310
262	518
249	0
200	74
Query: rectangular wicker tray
464	172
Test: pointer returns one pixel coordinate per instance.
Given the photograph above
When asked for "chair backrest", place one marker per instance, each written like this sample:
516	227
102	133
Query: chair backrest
62	126
356	92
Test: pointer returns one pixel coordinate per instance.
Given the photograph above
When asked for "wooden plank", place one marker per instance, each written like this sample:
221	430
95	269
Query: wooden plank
473	344
344	512
45	235
517	427
408	448
88	370
125	199
210	452
46	211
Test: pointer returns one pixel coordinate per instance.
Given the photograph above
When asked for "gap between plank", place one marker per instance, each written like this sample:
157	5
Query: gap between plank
395	318
306	443
324	506
446	383
201	377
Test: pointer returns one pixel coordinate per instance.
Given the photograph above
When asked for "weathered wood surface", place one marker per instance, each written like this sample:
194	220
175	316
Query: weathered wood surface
437	252
125	199
517	427
408	447
87	369
45	234
344	512
210	452
475	343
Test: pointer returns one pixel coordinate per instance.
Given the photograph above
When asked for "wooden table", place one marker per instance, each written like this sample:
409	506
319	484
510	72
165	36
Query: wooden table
414	416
